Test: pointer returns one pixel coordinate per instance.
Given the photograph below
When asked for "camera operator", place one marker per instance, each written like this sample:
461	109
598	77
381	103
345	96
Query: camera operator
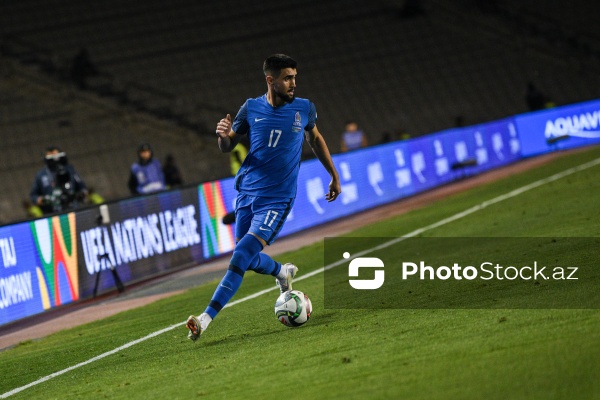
57	186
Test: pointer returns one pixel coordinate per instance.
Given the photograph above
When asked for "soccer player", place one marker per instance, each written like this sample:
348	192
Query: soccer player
276	125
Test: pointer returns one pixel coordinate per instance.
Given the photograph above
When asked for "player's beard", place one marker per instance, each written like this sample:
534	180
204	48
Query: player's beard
286	96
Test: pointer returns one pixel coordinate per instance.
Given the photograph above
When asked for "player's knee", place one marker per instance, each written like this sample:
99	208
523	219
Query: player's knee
262	241
245	251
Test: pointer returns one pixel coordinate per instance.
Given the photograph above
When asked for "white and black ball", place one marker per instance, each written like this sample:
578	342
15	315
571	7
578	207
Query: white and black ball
293	308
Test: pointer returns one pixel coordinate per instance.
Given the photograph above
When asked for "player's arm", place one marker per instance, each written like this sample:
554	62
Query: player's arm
319	147
228	142
227	137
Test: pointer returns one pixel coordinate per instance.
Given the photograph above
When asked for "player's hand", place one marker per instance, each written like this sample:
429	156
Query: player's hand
334	190
224	127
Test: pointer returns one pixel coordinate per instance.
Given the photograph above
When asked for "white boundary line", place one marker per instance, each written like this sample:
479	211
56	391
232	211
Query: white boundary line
416	232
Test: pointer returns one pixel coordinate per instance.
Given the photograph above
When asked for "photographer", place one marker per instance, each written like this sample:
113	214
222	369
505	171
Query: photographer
57	186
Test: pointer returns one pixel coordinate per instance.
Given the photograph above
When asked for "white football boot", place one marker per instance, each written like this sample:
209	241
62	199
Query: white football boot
285	277
197	325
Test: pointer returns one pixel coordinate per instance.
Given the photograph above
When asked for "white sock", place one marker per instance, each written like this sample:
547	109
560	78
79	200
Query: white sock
205	319
282	272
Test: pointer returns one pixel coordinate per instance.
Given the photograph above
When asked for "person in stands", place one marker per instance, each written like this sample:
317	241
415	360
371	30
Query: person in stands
146	175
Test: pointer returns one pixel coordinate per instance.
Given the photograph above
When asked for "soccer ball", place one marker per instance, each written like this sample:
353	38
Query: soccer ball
293	308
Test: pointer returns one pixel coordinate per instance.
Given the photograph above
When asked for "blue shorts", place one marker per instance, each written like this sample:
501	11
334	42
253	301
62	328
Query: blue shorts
262	216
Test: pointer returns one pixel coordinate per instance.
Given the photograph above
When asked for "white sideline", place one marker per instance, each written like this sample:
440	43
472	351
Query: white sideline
416	232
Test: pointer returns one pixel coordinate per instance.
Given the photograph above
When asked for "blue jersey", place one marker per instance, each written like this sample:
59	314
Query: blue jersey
276	136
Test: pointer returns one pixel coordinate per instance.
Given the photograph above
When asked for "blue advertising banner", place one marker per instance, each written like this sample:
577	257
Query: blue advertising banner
385	173
38	267
142	237
19	287
559	128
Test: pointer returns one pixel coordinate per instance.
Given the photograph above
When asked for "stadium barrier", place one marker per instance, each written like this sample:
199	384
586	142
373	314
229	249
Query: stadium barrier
54	261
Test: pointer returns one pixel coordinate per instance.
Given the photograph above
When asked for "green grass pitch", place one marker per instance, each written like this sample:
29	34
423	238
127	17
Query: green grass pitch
349	354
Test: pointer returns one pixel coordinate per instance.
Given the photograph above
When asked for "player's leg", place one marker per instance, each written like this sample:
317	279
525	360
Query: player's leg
269	216
284	274
262	219
243	215
246	249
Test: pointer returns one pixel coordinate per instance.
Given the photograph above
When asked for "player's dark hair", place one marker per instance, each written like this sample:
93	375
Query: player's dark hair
275	63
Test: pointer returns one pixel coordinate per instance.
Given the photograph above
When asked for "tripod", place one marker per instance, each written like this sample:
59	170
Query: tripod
113	270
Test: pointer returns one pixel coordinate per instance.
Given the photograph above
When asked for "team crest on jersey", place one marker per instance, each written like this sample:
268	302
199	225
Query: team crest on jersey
297	125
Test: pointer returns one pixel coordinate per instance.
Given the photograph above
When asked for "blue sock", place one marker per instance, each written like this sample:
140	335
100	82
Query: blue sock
264	264
244	254
230	283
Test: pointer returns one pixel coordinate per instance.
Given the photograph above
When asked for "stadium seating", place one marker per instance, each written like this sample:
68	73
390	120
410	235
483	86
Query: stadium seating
169	72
